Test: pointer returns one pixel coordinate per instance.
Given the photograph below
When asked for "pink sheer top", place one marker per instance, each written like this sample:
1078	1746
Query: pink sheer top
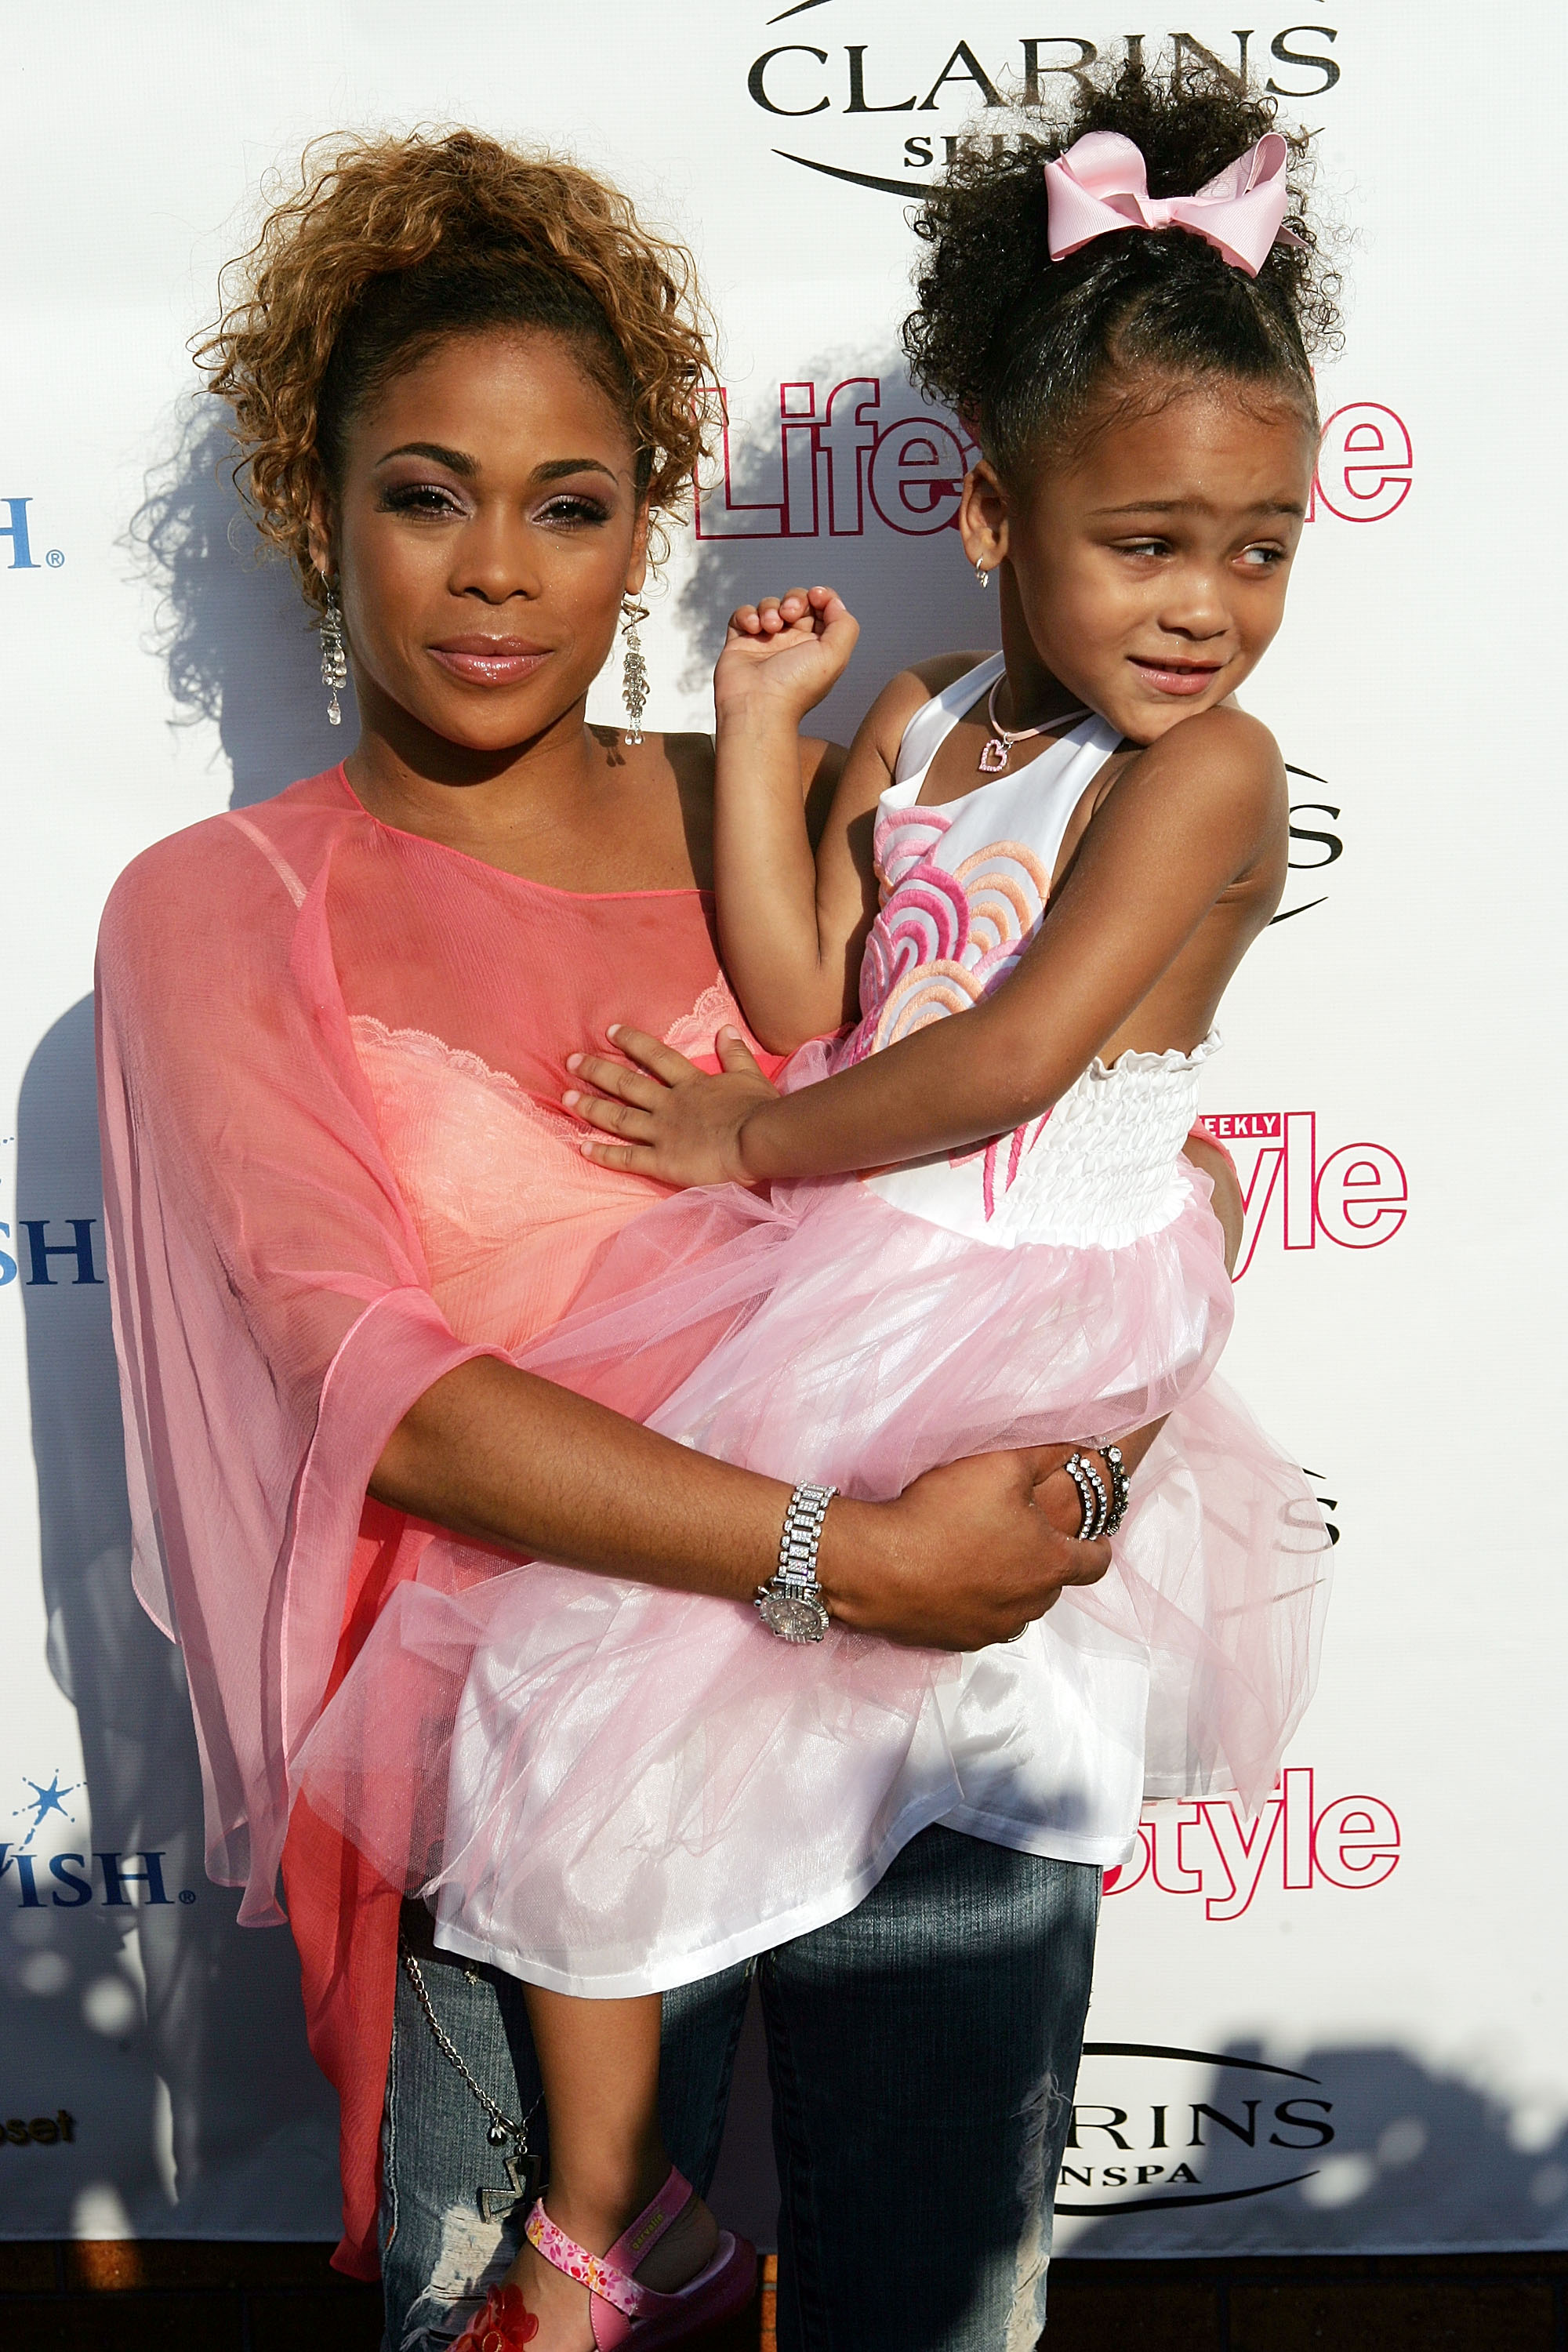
331	1055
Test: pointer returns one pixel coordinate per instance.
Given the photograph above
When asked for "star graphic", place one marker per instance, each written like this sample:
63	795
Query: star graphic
47	1801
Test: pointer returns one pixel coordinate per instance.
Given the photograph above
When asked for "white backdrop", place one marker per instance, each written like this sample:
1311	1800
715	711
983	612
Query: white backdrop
1343	2029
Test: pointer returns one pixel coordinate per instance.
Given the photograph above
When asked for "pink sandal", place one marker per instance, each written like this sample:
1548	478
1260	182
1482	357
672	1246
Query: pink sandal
641	2318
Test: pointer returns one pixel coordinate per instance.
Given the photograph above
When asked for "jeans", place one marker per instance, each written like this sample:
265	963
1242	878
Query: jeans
923	2053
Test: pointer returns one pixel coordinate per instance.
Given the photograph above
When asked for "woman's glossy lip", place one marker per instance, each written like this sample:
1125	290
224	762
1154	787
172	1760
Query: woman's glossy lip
1176	677
489	661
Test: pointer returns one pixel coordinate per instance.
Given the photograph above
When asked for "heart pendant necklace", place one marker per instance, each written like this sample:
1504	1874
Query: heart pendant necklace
998	751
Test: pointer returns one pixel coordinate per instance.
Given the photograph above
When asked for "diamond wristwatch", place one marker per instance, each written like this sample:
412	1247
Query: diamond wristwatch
789	1604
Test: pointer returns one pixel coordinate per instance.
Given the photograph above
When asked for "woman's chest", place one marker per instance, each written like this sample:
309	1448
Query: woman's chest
463	1003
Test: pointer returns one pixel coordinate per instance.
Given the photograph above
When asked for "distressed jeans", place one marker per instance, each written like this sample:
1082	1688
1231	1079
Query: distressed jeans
923	2053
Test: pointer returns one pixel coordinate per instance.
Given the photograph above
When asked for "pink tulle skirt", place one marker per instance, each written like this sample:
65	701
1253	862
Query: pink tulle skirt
610	1787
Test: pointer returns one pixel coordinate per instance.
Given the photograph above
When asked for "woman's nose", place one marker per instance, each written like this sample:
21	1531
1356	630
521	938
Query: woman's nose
496	560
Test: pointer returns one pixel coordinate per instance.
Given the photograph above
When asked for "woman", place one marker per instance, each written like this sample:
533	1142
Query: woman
341	1195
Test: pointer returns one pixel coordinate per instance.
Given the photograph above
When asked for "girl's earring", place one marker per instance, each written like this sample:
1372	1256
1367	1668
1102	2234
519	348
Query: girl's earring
334	663
634	670
981	574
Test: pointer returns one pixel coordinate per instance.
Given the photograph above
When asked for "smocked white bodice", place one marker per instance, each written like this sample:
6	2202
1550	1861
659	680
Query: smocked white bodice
964	889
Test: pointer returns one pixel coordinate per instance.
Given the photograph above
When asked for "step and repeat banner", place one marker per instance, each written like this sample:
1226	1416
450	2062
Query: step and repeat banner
1336	2027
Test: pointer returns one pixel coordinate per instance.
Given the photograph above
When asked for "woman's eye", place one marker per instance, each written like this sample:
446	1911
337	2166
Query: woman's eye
573	507
419	498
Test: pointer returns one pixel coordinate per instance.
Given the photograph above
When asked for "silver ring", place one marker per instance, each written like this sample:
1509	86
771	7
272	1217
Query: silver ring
1091	1498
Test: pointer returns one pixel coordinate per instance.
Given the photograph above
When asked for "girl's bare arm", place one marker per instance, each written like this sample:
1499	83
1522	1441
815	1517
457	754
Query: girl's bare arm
792	920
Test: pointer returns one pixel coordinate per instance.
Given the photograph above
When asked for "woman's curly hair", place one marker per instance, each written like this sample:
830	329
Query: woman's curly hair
1024	348
390	246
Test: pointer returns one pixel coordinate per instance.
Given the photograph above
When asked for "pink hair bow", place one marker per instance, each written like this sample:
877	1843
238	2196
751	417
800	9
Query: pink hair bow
1101	184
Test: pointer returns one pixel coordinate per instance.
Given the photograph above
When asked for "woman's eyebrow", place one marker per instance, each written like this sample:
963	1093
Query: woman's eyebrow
456	461
555	467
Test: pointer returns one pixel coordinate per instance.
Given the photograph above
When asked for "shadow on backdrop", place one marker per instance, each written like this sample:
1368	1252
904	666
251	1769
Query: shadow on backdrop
176	2038
229	623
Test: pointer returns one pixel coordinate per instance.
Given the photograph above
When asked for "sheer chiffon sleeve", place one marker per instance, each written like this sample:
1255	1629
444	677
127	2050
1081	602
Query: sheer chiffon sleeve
273	1315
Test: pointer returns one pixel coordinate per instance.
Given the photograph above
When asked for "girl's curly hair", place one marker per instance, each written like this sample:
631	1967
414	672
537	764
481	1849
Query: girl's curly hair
391	245
1022	348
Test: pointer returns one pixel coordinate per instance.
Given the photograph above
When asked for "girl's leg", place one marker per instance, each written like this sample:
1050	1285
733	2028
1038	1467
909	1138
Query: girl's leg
598	2063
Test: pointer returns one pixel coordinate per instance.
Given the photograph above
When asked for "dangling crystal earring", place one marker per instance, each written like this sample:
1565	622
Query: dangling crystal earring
633	671
335	664
981	574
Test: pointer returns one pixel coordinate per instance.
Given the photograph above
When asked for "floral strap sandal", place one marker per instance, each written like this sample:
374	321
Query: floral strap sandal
621	2310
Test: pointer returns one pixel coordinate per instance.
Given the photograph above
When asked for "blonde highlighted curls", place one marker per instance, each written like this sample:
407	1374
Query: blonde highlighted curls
370	212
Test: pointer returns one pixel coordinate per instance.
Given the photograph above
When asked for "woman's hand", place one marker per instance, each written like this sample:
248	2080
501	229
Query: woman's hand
783	654
676	1122
968	1555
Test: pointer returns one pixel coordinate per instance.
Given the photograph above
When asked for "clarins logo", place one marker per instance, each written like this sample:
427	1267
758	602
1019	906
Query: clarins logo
881	98
1154	2127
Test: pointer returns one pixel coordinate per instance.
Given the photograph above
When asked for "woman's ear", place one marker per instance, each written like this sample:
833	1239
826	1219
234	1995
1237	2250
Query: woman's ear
982	517
636	568
321	534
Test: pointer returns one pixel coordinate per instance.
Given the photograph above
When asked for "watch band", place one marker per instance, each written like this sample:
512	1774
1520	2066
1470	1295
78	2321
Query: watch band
801	1535
791	1603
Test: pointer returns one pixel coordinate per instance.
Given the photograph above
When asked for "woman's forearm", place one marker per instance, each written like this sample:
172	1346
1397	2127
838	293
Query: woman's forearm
963	1558
506	1458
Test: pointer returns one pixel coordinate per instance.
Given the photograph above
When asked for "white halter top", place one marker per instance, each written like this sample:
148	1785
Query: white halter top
965	888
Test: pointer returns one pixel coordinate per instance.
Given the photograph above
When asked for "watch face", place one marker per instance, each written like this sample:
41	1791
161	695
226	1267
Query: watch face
794	1617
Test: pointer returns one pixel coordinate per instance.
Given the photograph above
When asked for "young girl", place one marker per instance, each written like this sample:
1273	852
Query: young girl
968	1234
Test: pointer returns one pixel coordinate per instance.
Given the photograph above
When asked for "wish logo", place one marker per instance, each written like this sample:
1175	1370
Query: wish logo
114	1877
1154	2127
39	1252
881	98
16	535
43	1802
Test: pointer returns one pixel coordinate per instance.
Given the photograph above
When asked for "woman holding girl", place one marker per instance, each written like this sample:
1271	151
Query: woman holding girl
344	1202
